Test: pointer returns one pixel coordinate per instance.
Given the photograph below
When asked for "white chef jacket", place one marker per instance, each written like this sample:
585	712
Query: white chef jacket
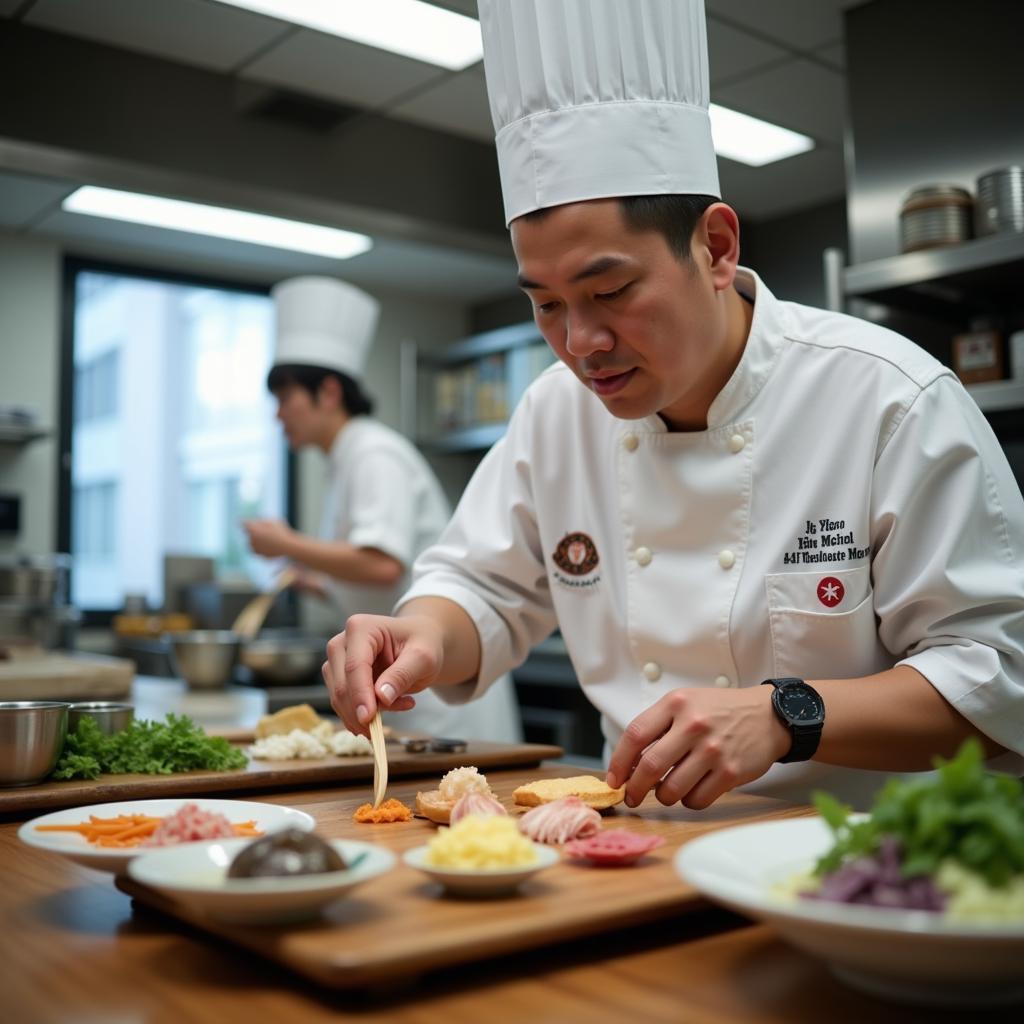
382	494
847	509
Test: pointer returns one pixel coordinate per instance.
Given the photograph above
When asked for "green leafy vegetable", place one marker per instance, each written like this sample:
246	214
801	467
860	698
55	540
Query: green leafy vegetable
965	814
153	748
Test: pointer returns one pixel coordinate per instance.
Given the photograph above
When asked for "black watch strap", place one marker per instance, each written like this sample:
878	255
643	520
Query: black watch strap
805	736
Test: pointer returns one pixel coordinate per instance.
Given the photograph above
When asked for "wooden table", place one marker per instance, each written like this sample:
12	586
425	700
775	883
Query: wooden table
75	950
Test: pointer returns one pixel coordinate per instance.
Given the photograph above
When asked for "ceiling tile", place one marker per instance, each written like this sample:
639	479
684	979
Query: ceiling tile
23	199
801	24
799	94
340	70
460	6
457	104
8	7
732	53
759	193
209	35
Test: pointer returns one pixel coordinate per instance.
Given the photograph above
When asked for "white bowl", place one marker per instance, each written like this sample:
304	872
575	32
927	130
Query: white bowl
480	881
195	875
268	818
908	955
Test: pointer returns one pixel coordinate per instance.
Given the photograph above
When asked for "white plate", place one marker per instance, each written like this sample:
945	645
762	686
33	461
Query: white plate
268	818
481	882
194	874
910	955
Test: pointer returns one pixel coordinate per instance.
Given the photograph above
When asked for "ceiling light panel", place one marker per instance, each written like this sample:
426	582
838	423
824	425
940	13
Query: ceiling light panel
753	141
217	221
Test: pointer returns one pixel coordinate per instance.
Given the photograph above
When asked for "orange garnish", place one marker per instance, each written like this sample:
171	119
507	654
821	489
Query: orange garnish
390	810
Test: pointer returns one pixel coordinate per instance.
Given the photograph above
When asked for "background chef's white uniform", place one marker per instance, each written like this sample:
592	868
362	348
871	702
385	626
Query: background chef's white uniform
380	493
847	509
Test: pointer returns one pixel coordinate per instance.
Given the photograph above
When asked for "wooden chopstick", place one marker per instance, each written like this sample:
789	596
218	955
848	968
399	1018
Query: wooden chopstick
380	760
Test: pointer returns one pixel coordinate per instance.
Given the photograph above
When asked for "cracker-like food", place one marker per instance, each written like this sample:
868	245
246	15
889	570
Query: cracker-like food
280	723
436	804
591	790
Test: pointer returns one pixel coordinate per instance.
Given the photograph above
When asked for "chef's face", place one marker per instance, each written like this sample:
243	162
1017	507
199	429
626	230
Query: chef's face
646	331
300	415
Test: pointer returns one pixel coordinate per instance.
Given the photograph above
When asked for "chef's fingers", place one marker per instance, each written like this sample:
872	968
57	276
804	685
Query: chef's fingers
350	659
647	727
415	668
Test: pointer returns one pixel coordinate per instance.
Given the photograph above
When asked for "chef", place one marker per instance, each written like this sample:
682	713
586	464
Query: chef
382	505
783	546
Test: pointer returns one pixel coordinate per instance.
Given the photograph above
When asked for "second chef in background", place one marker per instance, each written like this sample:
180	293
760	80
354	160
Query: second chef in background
382	504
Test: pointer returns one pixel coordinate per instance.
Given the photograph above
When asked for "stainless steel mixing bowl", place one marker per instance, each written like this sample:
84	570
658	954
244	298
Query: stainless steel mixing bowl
205	658
32	736
111	716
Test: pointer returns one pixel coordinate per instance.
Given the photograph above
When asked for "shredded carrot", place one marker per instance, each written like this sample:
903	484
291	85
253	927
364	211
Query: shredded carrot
129	830
390	810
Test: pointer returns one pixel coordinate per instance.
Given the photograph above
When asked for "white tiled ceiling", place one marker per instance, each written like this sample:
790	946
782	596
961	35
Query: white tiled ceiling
25	200
340	70
8	7
457	103
210	35
732	53
799	24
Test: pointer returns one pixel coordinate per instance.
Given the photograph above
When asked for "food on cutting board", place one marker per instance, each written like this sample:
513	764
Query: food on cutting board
153	748
285	854
476	803
320	741
280	723
390	811
482	843
951	843
613	847
559	821
591	790
188	824
437	804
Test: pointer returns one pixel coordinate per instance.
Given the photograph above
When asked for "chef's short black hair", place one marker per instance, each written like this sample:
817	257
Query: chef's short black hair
357	402
674	217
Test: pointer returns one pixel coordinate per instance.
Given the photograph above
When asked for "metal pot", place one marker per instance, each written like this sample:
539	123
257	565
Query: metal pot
285	659
935	215
38	581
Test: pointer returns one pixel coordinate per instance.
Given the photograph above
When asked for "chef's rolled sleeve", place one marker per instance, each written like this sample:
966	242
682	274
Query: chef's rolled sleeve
949	559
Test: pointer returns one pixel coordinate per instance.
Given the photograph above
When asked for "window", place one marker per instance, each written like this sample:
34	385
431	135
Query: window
173	438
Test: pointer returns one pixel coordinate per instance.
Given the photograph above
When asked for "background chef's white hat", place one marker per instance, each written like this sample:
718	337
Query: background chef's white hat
323	322
593	99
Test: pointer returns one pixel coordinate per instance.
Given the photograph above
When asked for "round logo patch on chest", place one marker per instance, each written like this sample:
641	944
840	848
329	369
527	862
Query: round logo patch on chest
576	554
830	591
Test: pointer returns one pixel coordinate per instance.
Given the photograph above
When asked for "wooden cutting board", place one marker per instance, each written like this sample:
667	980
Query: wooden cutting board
400	924
267	775
64	675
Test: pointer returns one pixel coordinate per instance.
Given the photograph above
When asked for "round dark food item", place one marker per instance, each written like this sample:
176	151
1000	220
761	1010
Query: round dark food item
286	853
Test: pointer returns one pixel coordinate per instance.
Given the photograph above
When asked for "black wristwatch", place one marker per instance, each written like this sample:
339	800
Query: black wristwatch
801	709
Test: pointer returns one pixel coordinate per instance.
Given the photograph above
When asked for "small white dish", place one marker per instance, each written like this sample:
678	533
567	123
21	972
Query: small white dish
268	818
195	875
480	881
908	955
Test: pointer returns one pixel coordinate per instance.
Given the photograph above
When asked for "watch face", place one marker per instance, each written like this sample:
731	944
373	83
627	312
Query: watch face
800	703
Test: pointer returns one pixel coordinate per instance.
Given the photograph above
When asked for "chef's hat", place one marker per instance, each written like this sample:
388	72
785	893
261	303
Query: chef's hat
323	322
593	99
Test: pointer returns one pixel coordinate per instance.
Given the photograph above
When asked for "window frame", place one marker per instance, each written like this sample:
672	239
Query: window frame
72	266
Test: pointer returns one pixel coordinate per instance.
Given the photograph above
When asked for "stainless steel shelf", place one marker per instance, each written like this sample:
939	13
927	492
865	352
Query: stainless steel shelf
981	275
470	439
500	340
998	395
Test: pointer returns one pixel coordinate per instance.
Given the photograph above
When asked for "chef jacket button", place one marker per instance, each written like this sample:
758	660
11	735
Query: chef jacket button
652	670
643	556
736	443
723	681
726	559
630	442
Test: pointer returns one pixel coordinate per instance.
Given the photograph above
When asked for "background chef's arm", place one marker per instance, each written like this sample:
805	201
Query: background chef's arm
892	721
948	579
344	561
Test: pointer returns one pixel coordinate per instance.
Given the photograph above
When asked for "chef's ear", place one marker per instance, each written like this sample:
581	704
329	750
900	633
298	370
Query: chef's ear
329	392
717	238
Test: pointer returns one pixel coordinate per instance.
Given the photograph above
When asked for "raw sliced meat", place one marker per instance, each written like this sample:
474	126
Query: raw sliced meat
614	846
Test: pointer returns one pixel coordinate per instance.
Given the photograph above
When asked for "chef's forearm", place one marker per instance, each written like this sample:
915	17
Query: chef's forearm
893	721
459	636
344	561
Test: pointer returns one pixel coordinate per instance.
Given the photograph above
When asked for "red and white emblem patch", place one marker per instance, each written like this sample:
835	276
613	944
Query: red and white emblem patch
576	554
830	591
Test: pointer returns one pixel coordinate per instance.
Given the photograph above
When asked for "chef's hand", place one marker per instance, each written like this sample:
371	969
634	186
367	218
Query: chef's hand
268	537
693	745
306	581
380	661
